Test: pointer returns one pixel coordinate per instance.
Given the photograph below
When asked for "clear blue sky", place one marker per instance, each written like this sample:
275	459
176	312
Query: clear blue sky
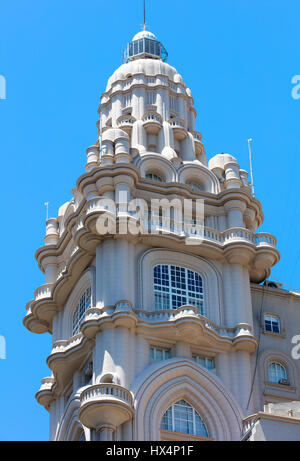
237	56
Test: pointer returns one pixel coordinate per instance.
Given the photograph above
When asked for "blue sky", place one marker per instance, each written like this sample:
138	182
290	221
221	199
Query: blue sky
237	56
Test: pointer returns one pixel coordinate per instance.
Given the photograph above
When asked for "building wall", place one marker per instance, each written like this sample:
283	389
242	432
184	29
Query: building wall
274	346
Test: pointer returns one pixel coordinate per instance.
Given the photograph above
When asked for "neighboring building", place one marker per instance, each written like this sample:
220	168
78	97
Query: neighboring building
159	335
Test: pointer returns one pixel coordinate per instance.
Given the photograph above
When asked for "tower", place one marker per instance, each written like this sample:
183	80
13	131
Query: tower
151	313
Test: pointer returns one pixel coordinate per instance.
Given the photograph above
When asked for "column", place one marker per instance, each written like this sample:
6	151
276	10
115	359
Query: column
235	210
106	433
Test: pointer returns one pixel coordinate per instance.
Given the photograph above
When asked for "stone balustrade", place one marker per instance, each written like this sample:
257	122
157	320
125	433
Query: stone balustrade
166	224
103	391
152	118
125	121
263	238
176	123
197	136
44	291
64	345
167	315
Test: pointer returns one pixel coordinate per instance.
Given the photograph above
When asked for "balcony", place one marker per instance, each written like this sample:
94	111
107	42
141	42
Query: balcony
44	395
44	291
152	122
197	136
153	223
105	405
125	122
178	127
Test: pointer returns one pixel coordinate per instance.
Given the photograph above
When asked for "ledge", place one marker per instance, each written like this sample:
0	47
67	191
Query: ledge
185	321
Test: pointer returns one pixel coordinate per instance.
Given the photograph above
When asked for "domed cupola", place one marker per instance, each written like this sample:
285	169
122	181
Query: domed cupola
144	45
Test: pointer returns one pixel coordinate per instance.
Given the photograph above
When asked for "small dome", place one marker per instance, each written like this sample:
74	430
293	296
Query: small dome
144	34
144	45
145	66
220	160
178	78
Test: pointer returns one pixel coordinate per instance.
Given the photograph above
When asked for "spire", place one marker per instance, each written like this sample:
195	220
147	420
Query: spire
144	45
144	26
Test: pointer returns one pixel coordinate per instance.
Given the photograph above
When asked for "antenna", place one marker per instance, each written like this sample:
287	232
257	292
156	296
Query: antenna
250	160
144	14
47	209
100	131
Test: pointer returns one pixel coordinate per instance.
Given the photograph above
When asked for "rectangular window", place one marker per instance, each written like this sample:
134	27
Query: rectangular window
272	324
150	80
151	98
173	103
158	354
172	86
127	100
207	362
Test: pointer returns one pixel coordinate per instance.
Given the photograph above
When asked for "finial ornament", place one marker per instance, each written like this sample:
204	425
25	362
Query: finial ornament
144	25
251	169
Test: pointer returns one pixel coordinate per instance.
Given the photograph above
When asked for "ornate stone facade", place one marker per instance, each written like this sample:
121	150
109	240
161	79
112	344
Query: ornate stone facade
155	337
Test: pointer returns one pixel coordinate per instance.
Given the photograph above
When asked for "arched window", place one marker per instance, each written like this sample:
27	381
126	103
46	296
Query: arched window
182	417
176	286
195	186
83	304
154	177
277	373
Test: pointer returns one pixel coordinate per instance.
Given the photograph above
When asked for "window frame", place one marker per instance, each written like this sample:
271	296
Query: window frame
275	318
178	418
75	325
150	98
151	176
280	366
199	358
173	103
165	351
169	292
211	276
195	186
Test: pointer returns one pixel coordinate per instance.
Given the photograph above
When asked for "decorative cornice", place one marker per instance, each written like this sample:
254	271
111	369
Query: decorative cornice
236	245
66	355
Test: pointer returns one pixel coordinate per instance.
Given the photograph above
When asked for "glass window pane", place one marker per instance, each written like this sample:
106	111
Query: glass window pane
147	46
183	287
182	417
272	324
276	372
167	354
78	316
157	353
152	354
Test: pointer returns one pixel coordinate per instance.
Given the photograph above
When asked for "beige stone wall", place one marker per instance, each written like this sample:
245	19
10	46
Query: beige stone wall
274	346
